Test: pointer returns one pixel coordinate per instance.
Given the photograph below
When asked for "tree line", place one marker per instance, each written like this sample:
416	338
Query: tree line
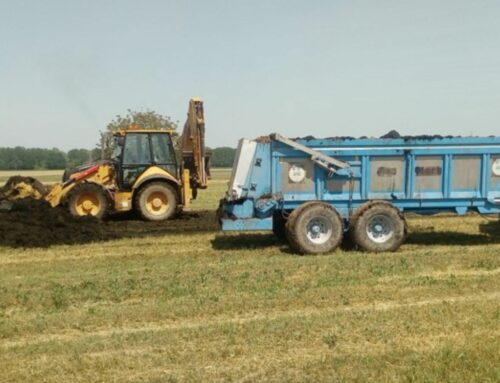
20	158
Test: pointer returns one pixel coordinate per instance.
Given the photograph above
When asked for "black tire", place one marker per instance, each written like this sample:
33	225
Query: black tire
279	223
156	201
378	227
88	199
304	221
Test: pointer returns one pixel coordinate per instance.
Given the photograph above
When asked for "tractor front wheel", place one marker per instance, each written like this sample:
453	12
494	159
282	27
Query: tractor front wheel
156	201
88	199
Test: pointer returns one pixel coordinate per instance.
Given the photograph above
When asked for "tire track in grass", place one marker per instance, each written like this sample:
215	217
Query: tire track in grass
380	280
423	344
442	274
247	364
242	319
420	343
111	255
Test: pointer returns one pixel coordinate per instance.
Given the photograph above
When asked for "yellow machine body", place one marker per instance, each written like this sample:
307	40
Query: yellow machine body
104	177
123	200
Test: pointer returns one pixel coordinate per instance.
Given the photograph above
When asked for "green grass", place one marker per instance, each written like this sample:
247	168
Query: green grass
209	306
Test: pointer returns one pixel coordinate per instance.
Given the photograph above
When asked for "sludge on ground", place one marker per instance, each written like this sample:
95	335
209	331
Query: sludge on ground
34	223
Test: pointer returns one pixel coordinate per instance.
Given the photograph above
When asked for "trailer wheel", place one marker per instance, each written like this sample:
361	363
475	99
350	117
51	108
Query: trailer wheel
88	199
156	201
378	227
314	228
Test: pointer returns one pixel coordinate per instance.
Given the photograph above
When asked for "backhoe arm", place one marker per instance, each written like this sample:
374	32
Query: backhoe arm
192	142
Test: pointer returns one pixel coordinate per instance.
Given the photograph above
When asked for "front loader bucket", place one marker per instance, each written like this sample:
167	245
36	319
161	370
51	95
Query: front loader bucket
18	187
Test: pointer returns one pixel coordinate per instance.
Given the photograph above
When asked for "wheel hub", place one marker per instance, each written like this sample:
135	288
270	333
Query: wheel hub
157	203
316	229
380	229
319	230
87	205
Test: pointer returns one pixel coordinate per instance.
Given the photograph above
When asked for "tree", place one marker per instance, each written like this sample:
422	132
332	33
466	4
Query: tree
55	159
223	157
146	120
95	154
20	158
133	119
78	157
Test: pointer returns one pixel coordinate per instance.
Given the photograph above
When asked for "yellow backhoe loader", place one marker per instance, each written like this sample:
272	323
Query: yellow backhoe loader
143	174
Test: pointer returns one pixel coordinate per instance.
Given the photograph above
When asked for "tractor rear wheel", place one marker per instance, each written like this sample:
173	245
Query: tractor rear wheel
314	228
378	227
156	201
88	199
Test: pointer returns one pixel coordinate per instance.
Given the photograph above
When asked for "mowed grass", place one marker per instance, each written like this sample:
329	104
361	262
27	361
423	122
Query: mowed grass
207	306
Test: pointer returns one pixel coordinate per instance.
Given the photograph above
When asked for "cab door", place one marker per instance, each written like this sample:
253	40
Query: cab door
136	158
163	152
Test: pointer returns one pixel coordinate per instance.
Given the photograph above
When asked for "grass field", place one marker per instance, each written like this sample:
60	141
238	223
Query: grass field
201	305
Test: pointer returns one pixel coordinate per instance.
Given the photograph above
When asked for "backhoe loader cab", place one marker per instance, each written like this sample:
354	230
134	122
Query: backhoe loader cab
135	151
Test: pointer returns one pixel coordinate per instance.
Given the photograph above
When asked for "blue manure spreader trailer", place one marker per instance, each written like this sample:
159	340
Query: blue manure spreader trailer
313	192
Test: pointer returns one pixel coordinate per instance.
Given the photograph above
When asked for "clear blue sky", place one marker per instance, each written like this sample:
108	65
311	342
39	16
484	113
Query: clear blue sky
311	67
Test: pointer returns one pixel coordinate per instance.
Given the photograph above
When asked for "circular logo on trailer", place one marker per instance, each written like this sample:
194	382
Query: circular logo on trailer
496	167
296	173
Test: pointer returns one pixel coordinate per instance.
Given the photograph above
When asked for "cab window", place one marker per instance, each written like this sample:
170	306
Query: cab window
163	152
162	149
137	150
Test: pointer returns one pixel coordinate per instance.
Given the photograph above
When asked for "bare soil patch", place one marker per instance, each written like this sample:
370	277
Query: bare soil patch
34	223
